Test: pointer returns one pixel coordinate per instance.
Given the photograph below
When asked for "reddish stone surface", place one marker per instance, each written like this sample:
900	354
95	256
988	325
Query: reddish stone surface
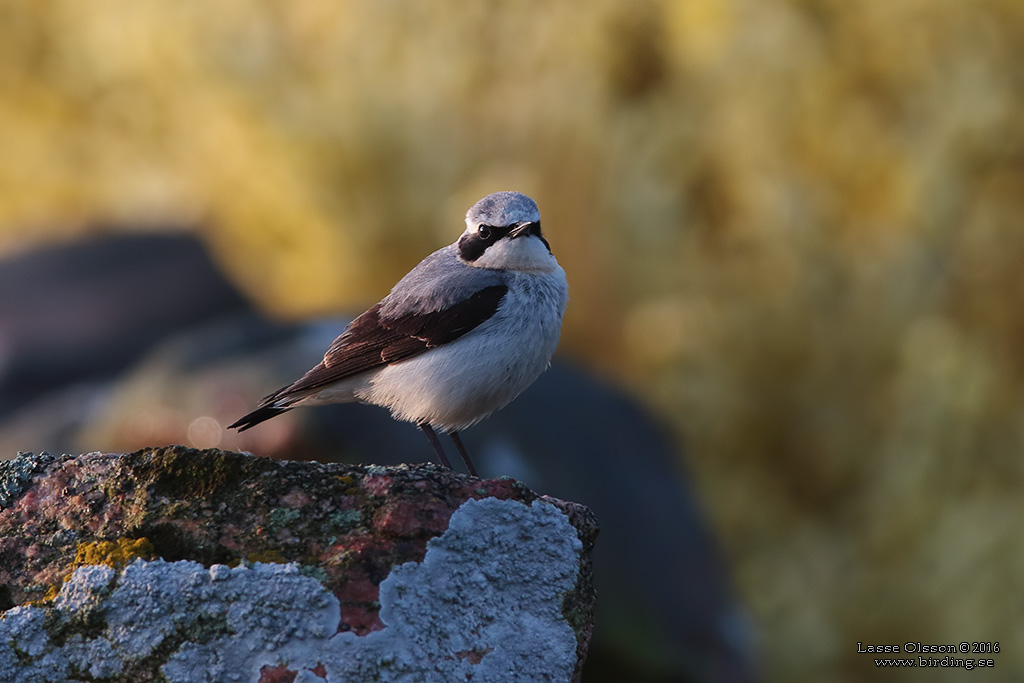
282	674
277	674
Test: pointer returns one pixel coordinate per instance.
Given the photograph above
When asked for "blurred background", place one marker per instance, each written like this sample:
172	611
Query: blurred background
793	232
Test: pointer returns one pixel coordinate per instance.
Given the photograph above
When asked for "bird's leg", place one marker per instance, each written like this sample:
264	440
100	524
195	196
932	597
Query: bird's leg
432	437
463	452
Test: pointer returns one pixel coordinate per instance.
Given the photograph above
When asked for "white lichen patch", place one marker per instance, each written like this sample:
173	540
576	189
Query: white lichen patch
102	625
485	604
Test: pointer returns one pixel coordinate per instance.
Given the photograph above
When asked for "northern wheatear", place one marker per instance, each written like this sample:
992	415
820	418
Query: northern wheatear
460	336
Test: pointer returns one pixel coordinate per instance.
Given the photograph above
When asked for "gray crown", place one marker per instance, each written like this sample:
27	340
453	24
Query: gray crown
502	209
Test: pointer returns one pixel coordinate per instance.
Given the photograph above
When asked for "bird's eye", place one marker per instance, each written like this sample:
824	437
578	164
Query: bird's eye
484	231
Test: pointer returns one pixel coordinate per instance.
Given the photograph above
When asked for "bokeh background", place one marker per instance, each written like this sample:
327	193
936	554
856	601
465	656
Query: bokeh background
793	229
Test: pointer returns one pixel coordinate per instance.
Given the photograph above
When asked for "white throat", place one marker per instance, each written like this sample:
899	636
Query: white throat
522	253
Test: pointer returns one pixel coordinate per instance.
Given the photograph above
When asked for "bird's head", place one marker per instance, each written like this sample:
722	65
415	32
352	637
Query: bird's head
503	232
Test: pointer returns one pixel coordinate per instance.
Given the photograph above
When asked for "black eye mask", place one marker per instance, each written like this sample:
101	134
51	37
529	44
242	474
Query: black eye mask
473	245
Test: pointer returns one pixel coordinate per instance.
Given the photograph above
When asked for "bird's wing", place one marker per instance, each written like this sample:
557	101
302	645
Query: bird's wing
375	339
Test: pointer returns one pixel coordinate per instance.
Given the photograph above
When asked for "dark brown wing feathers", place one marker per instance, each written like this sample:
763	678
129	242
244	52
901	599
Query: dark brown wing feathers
371	341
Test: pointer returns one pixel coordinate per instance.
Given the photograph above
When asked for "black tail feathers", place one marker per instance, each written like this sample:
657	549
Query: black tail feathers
257	416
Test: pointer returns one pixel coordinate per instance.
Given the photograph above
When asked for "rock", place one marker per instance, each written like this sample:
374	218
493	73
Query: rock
185	565
107	300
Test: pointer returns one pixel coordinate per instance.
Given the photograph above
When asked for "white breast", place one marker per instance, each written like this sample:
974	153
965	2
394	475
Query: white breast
458	384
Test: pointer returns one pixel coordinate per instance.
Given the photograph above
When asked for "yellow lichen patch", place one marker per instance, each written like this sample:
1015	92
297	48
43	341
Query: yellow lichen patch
51	593
115	554
268	557
349	481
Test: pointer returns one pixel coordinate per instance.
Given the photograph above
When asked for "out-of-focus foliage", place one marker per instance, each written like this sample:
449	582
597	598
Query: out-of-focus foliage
796	226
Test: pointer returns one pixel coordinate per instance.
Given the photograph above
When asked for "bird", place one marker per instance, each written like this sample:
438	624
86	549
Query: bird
457	338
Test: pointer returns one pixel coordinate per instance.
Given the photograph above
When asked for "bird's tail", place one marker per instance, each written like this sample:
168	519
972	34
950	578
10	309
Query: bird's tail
257	416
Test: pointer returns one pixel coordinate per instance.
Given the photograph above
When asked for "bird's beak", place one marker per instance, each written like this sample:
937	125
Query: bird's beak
524	229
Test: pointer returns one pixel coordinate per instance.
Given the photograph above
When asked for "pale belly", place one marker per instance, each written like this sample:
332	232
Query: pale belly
459	384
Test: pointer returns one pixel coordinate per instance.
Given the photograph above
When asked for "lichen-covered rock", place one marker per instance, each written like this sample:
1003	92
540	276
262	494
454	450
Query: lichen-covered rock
183	565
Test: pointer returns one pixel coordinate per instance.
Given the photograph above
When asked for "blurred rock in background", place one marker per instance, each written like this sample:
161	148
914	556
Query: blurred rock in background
74	316
792	228
85	311
666	609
